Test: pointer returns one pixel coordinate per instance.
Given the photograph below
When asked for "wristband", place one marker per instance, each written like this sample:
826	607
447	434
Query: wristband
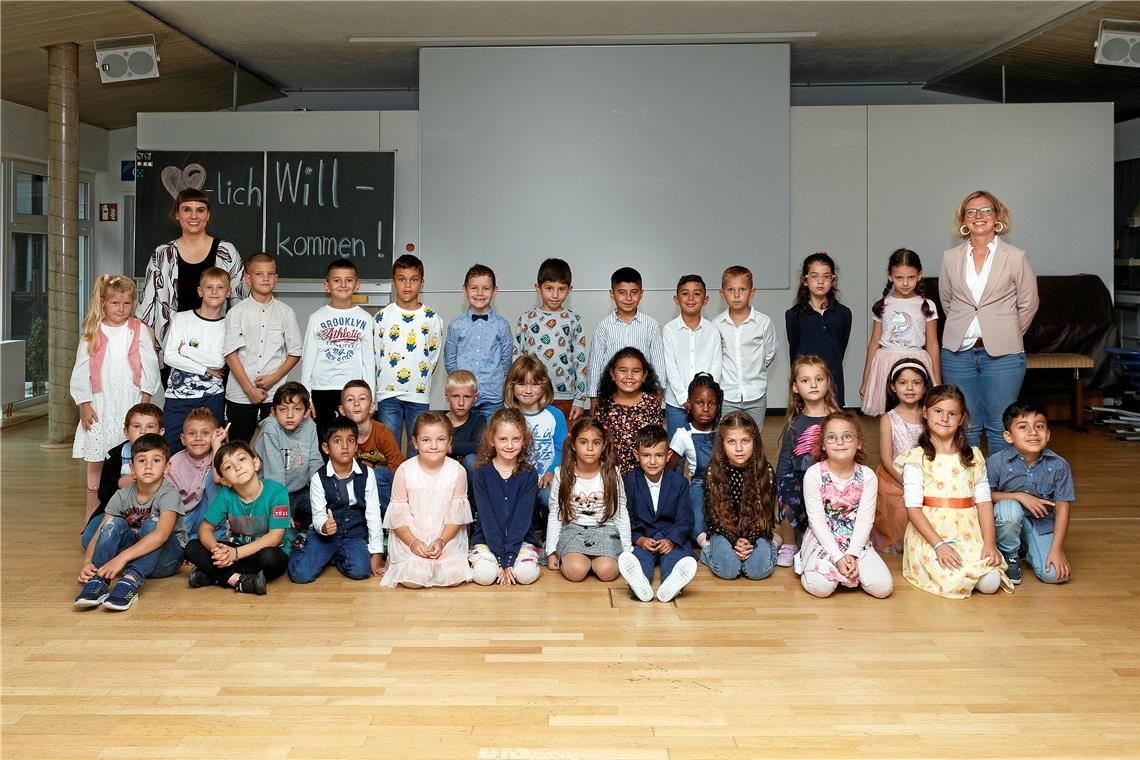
942	543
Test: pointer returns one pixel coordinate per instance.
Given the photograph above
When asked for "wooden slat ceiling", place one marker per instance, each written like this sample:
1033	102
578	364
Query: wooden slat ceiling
191	77
1055	66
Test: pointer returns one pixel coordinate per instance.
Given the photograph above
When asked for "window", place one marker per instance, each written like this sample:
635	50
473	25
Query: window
24	256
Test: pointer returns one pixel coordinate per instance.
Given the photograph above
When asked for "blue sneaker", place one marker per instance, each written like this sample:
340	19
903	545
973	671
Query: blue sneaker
123	596
1013	569
93	594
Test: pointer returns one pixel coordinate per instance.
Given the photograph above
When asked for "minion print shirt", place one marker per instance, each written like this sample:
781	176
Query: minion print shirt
408	343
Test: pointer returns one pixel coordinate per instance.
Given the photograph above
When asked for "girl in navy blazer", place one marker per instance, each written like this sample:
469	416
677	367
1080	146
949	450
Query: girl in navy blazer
661	521
504	547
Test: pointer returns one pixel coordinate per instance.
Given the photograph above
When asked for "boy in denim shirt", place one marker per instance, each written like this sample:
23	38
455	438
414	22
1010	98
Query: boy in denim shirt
1032	488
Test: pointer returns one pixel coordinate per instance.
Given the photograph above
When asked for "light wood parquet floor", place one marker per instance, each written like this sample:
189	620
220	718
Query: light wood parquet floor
342	669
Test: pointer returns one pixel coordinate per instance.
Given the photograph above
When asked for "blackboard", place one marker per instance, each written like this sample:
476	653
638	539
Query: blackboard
235	212
305	208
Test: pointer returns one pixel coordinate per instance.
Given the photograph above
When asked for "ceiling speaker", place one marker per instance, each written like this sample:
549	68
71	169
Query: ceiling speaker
1118	43
124	59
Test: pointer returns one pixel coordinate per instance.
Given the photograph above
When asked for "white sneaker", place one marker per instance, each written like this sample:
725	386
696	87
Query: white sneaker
631	570
683	572
785	557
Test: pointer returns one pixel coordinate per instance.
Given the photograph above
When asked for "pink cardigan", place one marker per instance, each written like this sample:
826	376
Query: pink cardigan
1008	302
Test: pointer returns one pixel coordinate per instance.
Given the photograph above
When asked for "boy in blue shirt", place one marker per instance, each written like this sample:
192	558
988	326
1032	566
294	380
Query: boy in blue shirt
480	340
345	507
660	520
1032	488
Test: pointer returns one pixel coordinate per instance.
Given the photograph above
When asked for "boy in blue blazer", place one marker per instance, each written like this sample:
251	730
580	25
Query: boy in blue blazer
661	519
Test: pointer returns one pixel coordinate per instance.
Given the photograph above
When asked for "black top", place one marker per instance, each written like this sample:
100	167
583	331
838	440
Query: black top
824	335
189	276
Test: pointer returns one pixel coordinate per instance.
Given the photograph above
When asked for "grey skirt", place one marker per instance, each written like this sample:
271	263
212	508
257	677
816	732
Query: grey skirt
598	541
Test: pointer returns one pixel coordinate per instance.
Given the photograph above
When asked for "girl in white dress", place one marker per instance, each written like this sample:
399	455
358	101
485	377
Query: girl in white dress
429	512
115	368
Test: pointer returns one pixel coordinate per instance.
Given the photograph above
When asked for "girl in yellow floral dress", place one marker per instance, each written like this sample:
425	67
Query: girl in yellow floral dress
950	545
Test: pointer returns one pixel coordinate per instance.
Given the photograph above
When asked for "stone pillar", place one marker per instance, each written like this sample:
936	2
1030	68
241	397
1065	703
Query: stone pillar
63	237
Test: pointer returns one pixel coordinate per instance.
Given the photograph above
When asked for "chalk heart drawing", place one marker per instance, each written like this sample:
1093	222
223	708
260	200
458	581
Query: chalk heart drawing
176	180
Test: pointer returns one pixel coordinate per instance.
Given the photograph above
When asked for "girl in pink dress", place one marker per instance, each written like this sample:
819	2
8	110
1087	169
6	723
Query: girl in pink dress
428	513
899	429
839	495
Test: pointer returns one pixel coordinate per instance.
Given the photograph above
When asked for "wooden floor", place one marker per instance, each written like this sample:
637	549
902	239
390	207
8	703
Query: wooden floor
739	669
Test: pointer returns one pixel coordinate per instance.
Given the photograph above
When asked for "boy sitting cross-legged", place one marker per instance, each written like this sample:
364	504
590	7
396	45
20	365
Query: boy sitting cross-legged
346	513
141	535
256	513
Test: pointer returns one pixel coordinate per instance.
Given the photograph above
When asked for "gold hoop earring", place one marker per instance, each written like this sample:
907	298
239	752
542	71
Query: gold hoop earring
964	231
999	227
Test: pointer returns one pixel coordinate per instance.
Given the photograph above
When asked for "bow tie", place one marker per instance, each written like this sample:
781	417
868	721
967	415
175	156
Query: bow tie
479	316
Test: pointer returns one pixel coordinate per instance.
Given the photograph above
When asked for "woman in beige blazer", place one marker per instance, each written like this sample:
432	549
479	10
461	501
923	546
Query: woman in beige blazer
989	294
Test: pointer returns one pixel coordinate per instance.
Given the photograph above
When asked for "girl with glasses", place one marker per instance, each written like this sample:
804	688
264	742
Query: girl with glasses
839	495
817	323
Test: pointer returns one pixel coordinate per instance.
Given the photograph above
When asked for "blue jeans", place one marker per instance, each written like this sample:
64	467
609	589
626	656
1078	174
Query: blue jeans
668	561
990	384
90	529
697	497
487	408
192	519
1015	529
721	558
399	415
116	536
349	555
675	417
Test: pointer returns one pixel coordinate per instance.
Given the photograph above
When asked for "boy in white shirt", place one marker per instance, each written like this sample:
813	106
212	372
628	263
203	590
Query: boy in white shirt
692	345
748	342
262	344
193	351
338	344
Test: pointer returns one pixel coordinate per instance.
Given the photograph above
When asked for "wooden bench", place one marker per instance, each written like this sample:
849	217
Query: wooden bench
1075	362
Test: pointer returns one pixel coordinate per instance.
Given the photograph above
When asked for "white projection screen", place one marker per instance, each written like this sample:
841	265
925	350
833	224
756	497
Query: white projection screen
668	158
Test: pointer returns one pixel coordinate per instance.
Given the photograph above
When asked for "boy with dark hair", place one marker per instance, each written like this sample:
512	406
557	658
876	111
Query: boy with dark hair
660	519
692	345
480	340
141	535
287	445
256	513
140	420
555	336
625	327
1032	489
408	338
262	344
339	344
346	529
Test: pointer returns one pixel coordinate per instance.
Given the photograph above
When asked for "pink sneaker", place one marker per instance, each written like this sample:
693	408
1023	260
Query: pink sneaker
786	556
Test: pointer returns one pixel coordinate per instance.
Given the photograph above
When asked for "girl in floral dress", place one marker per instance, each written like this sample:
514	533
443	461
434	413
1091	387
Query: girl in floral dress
839	494
950	546
628	400
429	512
